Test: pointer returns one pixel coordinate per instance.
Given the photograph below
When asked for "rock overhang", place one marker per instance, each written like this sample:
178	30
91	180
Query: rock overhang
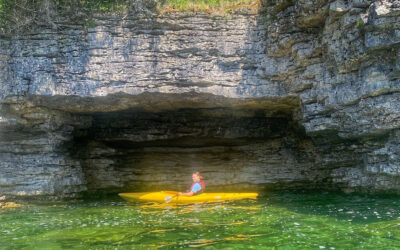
158	102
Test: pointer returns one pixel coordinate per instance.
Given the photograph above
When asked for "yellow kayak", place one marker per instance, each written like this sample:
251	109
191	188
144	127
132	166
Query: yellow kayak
173	197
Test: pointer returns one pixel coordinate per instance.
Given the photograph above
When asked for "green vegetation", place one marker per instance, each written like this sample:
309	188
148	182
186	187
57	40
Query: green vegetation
3	8
105	6
208	6
1	12
20	15
360	24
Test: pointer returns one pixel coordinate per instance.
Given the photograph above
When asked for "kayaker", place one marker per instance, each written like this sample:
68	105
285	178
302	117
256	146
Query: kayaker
197	187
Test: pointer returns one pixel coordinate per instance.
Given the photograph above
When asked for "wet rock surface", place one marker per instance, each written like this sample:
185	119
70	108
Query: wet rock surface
330	67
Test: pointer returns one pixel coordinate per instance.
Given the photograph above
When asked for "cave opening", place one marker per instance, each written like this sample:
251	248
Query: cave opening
236	148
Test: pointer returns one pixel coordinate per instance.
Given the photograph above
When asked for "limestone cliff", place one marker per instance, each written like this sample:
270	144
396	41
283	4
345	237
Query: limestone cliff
301	94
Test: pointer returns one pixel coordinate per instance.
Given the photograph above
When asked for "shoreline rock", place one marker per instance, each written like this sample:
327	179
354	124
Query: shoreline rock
10	204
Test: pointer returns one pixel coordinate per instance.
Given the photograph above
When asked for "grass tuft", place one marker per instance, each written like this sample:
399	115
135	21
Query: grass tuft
209	6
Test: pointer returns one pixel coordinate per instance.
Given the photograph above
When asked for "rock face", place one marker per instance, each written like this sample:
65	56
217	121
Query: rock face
175	53
302	94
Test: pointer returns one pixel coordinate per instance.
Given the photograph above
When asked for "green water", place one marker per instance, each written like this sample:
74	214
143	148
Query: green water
280	220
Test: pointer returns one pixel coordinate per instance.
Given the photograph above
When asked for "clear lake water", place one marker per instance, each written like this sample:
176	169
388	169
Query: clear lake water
277	220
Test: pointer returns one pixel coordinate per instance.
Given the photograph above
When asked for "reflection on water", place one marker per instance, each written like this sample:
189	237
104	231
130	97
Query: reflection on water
287	220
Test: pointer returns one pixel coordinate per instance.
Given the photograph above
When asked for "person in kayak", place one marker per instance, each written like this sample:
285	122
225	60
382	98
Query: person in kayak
197	187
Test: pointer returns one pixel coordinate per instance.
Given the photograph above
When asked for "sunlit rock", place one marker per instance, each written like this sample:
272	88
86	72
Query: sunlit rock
303	94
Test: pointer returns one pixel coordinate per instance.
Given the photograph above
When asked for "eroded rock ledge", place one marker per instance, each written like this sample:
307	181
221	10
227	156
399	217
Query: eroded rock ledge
300	95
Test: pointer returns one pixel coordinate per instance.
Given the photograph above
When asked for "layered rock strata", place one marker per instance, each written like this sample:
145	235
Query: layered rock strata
330	67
